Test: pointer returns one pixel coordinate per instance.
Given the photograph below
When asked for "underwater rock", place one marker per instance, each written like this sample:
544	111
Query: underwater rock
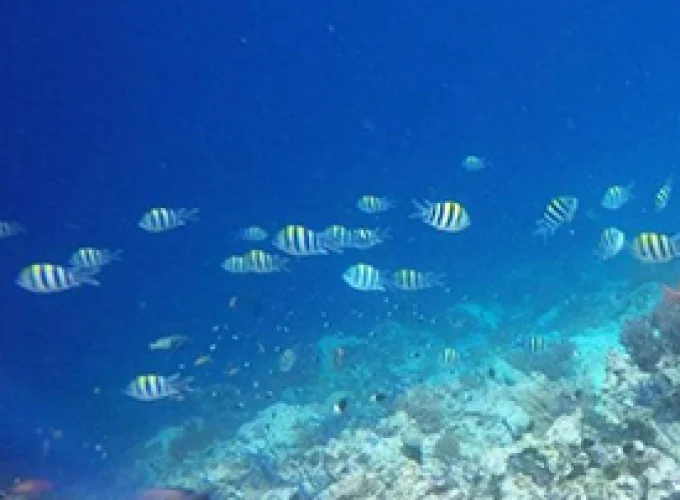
412	447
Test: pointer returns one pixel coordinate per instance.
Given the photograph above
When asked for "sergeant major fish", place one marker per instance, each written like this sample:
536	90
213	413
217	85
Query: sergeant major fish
371	204
365	278
617	196
261	262
94	257
612	241
448	216
299	241
252	233
655	248
50	278
158	220
412	280
663	194
157	387
559	211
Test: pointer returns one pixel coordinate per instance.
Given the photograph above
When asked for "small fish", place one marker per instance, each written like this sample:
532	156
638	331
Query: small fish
448	216
612	241
157	387
474	163
449	356
299	241
202	360
378	397
663	195
339	235
159	220
365	278
655	248
559	211
532	343
340	406
50	278
172	494
287	360
10	228
338	360
236	264
412	280
371	204
94	257
363	238
617	196
168	342
252	233
261	262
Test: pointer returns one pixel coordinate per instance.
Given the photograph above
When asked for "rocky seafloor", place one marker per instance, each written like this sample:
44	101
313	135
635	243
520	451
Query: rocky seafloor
596	415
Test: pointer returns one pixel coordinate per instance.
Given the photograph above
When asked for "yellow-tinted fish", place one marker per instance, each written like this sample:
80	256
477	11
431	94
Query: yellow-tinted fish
411	280
663	195
236	264
363	238
339	235
450	355
158	220
449	216
259	261
560	210
300	241
617	196
94	257
10	228
365	277
372	204
155	387
51	278
655	248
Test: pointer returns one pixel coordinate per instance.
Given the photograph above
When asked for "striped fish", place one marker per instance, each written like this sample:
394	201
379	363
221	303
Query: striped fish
655	248
663	195
559	211
155	387
449	216
158	220
412	280
50	278
365	277
236	264
94	257
299	241
371	204
363	238
259	261
339	235
10	228
612	241
252	233
617	196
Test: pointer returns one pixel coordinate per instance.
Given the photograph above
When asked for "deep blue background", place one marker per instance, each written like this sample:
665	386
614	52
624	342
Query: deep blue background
284	112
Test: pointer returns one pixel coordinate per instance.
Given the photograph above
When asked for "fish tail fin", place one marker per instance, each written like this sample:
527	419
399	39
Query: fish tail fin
421	209
188	214
86	275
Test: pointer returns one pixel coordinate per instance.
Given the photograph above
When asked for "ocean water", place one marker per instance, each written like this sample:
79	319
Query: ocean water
274	113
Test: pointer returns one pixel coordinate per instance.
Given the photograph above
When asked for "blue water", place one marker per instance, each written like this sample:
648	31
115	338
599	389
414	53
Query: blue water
273	113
